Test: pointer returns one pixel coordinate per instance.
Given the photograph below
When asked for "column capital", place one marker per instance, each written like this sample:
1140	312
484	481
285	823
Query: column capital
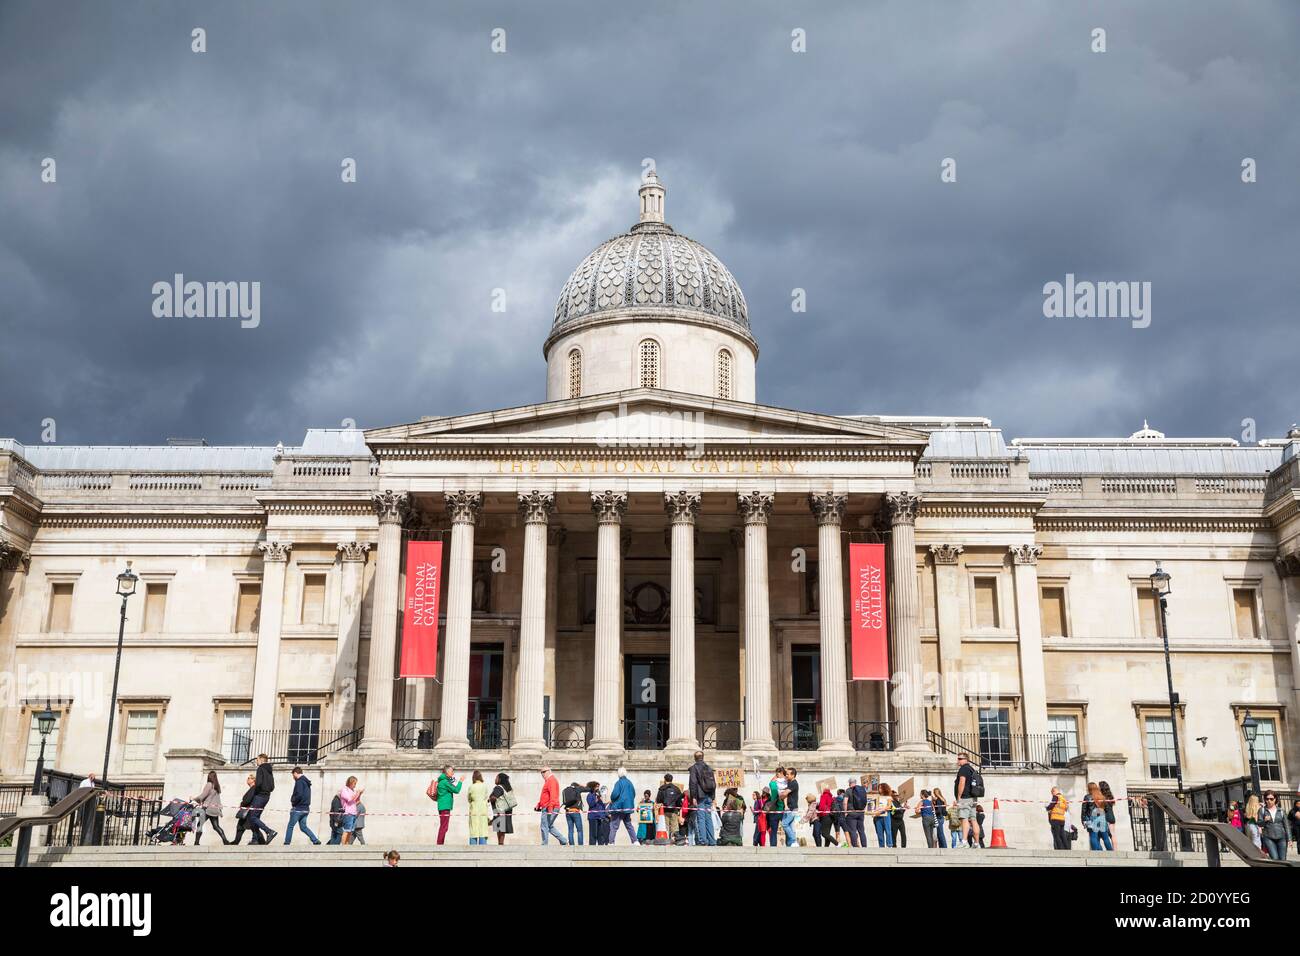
903	506
14	558
536	506
608	506
828	507
392	507
1288	565
682	506
463	507
946	553
353	550
755	506
275	550
1025	553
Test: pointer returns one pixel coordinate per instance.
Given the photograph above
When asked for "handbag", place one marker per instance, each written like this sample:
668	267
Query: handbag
1074	833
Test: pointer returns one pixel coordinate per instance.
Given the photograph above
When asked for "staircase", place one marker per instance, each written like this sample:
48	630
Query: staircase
520	854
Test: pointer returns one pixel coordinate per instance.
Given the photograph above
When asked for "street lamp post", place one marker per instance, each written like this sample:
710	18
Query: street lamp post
45	725
1249	728
1160	579
126	582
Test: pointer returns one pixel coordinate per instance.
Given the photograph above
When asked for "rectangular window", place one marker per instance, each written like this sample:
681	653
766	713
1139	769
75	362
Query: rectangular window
155	607
1051	601
304	733
1160	748
141	741
1063	742
1266	752
1148	612
250	604
1243	602
313	599
986	602
995	735
236	735
60	615
34	744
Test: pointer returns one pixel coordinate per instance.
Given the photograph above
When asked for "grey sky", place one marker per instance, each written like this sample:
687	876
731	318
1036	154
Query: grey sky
480	171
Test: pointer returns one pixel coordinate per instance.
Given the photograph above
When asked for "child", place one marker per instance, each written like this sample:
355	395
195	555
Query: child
645	820
392	858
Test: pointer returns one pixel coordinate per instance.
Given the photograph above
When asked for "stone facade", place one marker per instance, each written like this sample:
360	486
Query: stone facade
268	613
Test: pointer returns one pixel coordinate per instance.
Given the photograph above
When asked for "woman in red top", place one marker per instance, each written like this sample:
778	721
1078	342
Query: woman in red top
760	818
827	831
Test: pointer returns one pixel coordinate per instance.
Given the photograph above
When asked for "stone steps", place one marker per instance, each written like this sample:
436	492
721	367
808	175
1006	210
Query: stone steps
533	855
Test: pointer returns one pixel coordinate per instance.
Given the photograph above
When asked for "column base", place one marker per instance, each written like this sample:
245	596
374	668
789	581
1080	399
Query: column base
764	751
529	747
607	748
682	747
915	747
452	746
836	748
377	745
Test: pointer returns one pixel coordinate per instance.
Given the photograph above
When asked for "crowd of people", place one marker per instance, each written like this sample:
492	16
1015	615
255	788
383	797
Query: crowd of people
692	812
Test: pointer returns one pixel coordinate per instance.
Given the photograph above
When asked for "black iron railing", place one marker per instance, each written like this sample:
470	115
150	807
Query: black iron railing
797	734
1010	751
566	734
1210	801
11	797
645	734
415	733
492	733
290	747
720	734
872	734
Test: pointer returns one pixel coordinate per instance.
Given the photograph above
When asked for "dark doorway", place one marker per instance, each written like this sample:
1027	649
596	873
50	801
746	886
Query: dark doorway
645	711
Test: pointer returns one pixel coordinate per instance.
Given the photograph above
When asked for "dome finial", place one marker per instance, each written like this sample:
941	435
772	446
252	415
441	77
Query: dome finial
652	197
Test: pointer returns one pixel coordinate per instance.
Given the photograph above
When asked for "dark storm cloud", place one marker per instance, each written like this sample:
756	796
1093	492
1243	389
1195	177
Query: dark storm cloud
480	171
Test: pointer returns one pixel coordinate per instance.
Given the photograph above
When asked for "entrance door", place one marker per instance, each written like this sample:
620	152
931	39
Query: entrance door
486	666
645	710
805	697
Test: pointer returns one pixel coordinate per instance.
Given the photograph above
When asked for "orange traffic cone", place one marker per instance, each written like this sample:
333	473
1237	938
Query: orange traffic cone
661	829
998	839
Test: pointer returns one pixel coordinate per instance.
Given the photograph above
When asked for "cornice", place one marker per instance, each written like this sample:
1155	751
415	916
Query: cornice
441	448
256	520
976	509
1151	522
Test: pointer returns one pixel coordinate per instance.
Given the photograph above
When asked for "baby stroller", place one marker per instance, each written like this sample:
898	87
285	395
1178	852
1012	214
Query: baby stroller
180	821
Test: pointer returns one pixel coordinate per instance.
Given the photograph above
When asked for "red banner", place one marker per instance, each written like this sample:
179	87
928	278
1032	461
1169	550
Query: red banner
420	617
867	594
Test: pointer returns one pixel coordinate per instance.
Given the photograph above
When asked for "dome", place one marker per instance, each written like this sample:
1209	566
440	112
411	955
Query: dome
652	269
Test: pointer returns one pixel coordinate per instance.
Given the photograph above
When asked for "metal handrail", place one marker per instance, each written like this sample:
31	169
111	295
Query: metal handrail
941	744
1242	846
47	817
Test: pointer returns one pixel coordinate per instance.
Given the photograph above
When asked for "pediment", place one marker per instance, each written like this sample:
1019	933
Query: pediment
648	414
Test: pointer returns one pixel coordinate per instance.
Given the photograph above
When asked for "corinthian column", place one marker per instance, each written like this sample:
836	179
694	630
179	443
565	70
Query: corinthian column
266	670
904	617
682	507
1029	632
14	563
609	507
829	509
463	508
755	508
390	507
536	508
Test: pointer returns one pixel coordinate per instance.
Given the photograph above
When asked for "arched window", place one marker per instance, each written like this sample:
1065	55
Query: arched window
649	363
724	373
575	374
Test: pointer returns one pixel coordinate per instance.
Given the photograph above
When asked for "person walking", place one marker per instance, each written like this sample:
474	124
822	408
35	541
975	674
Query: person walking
1099	820
478	809
572	799
925	811
645	819
336	821
856	799
882	816
548	806
597	816
263	785
826	817
349	797
622	801
838	818
703	788
791	804
809	819
967	787
209	809
300	808
359	829
940	818
1272	827
443	792
503	802
732	830
1250	822
668	801
1057	812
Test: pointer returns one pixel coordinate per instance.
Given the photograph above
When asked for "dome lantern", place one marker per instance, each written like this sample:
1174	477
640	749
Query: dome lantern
652	198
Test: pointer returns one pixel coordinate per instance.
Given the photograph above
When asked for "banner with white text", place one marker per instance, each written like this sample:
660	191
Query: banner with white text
420	610
867	594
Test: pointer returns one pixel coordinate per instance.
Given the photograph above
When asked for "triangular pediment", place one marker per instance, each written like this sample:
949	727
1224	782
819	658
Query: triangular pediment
650	414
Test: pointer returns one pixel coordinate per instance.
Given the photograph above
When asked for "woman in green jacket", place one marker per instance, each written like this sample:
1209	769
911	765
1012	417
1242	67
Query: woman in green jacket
444	790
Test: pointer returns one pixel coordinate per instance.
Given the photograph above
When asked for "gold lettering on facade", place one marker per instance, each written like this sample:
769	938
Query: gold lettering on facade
643	466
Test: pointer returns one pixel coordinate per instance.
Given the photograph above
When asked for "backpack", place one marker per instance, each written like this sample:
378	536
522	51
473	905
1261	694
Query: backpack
858	797
708	782
975	786
672	797
572	797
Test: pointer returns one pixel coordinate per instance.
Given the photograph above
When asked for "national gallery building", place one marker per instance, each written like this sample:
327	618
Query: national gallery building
649	562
